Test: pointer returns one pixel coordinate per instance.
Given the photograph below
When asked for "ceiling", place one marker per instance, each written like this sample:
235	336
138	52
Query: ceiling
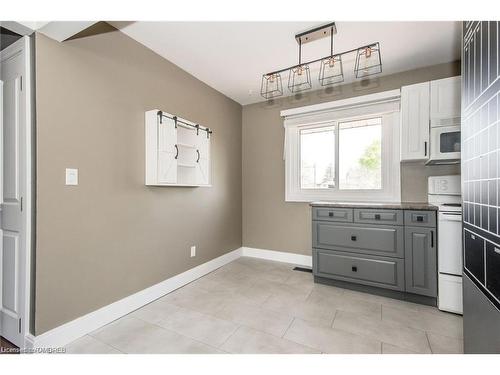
232	56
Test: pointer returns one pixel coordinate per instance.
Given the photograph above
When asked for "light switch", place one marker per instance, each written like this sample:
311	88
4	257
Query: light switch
71	176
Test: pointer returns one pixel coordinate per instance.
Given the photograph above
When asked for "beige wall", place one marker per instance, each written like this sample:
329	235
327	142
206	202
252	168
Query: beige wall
112	236
269	222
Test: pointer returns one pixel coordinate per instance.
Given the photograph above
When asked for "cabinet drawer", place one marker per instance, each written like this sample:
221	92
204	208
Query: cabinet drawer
383	240
332	214
420	218
370	216
362	269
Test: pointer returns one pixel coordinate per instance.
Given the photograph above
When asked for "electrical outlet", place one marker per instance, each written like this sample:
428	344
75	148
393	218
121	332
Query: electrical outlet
193	251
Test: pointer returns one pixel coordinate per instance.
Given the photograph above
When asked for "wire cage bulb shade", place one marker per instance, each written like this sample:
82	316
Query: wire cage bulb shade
271	86
331	71
368	61
299	78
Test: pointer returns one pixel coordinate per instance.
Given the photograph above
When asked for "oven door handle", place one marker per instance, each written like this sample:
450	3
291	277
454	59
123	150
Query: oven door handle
451	216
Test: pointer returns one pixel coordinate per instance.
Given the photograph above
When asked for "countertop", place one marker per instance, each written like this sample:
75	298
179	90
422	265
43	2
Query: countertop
396	205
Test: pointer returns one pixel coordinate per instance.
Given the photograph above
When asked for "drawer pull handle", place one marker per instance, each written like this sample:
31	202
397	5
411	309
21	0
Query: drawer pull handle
420	218
377	216
330	214
353	238
354	269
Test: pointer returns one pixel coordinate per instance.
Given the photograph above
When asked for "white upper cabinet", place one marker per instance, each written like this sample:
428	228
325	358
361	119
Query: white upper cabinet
445	102
177	151
415	121
424	106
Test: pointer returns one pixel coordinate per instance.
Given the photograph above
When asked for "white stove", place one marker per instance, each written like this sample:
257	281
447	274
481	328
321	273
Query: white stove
445	192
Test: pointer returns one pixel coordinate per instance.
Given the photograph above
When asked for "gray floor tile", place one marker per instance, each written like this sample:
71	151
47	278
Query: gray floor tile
205	328
89	345
445	345
392	302
197	299
255	317
385	331
393	349
156	311
250	341
132	335
313	311
297	290
330	340
445	324
346	303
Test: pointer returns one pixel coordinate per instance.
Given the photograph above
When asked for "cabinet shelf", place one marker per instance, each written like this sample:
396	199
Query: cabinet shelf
186	165
186	145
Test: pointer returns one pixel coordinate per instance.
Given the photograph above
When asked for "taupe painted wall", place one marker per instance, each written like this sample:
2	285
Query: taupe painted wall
112	236
271	223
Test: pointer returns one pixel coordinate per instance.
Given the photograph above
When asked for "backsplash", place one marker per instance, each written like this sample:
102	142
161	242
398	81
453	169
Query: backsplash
414	179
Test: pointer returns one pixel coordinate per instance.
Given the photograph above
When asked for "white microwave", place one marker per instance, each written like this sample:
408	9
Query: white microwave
445	145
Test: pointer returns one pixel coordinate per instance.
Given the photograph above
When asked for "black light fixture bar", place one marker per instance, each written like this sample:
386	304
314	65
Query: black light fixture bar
322	58
177	121
316	33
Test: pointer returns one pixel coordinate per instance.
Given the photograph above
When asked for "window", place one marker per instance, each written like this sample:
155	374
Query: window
350	154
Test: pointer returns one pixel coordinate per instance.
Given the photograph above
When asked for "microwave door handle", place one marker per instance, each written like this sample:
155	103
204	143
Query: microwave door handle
425	148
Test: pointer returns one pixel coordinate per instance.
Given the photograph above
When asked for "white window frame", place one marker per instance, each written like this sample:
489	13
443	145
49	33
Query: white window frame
384	105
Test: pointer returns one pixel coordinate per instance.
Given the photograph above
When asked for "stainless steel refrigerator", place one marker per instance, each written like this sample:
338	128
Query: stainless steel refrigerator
480	134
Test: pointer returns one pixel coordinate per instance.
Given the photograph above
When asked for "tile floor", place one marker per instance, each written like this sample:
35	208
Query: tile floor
257	306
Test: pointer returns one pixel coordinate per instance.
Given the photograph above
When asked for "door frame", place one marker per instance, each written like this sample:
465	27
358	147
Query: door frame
23	43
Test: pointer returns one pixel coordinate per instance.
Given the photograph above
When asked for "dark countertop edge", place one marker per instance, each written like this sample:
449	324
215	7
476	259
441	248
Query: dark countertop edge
377	205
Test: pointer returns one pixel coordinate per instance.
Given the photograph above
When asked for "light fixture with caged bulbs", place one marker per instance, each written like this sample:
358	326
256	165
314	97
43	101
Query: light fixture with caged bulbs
368	62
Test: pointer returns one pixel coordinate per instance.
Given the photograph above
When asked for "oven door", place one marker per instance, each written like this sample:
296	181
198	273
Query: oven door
450	243
445	143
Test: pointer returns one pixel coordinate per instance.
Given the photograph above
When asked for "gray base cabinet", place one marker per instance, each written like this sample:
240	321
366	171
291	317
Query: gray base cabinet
382	248
420	261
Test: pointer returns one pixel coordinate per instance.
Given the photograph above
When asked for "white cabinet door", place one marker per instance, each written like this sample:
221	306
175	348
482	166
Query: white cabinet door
203	164
168	152
415	122
445	101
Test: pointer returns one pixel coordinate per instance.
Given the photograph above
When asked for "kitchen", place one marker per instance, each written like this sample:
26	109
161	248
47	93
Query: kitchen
329	192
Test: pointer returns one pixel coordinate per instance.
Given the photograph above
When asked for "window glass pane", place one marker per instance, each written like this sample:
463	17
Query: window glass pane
317	158
360	156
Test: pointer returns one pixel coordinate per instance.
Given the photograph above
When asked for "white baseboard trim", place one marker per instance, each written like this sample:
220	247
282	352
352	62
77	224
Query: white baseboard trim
278	256
68	332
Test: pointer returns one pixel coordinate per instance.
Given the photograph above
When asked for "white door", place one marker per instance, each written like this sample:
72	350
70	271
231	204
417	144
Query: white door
14	62
415	122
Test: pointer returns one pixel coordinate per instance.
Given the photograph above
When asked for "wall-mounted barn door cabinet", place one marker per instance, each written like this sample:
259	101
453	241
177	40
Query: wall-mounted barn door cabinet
177	151
424	106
